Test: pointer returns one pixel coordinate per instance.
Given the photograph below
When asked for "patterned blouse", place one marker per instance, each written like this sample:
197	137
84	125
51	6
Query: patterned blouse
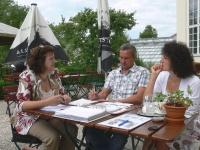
29	89
189	138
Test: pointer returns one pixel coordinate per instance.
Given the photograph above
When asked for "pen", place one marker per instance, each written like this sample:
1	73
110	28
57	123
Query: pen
123	122
93	88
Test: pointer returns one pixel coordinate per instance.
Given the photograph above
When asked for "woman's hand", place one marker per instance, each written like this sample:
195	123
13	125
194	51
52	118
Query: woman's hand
156	69
50	101
66	99
59	99
93	95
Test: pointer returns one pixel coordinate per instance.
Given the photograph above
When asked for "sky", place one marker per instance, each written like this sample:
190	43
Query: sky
158	13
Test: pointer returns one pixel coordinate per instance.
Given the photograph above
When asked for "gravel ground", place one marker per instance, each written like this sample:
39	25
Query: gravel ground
5	132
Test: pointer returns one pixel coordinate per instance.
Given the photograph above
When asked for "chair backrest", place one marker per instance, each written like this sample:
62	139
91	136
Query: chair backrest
14	77
10	88
10	98
71	84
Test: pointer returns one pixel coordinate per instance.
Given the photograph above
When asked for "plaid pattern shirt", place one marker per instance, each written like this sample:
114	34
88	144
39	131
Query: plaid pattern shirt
125	85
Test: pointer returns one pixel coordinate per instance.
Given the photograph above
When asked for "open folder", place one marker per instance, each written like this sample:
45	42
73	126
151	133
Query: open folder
82	114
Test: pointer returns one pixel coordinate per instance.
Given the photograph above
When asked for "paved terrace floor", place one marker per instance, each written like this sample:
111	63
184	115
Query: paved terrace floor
5	132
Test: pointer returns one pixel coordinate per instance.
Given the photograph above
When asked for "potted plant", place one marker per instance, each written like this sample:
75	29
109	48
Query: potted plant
175	105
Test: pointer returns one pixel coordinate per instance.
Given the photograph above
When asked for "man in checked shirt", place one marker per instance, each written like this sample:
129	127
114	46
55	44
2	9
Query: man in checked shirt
126	84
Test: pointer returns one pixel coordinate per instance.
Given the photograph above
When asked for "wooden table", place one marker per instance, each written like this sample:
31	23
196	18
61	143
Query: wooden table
165	132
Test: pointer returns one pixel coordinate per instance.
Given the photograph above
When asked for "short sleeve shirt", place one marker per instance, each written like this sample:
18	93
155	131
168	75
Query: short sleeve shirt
125	85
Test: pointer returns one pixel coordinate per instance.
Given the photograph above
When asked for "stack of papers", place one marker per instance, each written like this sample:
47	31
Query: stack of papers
54	108
111	106
126	121
82	102
85	110
82	114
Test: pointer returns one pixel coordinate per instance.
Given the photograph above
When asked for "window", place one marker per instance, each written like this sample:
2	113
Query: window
193	39
194	26
193	11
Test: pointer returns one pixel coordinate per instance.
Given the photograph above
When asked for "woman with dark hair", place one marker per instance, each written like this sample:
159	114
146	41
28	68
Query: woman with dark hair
40	86
175	71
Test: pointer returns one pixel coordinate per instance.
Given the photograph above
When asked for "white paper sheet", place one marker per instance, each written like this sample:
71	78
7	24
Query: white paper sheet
82	102
80	113
126	121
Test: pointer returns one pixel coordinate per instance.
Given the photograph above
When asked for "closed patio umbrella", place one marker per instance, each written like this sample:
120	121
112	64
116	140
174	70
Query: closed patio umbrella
105	53
34	31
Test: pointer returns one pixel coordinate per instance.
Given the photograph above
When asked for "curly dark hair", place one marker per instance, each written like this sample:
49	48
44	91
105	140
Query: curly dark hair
36	58
180	57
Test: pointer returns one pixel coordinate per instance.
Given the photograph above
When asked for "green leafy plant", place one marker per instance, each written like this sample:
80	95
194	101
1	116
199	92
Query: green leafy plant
160	97
175	98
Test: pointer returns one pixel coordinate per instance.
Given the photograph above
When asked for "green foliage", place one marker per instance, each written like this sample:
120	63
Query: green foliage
149	32
3	53
11	13
175	98
5	69
159	97
80	35
66	69
140	62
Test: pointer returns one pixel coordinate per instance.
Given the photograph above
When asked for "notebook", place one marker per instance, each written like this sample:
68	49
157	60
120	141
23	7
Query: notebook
82	114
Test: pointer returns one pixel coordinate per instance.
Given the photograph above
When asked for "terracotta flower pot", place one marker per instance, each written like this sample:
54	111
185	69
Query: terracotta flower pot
174	114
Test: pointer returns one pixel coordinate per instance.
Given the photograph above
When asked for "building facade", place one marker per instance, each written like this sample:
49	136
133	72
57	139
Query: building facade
149	49
188	25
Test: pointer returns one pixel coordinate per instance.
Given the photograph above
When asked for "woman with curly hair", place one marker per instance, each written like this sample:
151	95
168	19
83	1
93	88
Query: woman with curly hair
40	86
175	71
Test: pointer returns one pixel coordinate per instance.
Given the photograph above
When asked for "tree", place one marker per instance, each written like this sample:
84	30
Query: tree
149	32
80	35
11	14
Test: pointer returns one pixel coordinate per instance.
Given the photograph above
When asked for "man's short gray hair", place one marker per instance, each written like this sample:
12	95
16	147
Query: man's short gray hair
128	46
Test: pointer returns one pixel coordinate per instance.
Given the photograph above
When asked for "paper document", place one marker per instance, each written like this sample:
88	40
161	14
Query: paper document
54	108
82	102
111	106
83	114
126	121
